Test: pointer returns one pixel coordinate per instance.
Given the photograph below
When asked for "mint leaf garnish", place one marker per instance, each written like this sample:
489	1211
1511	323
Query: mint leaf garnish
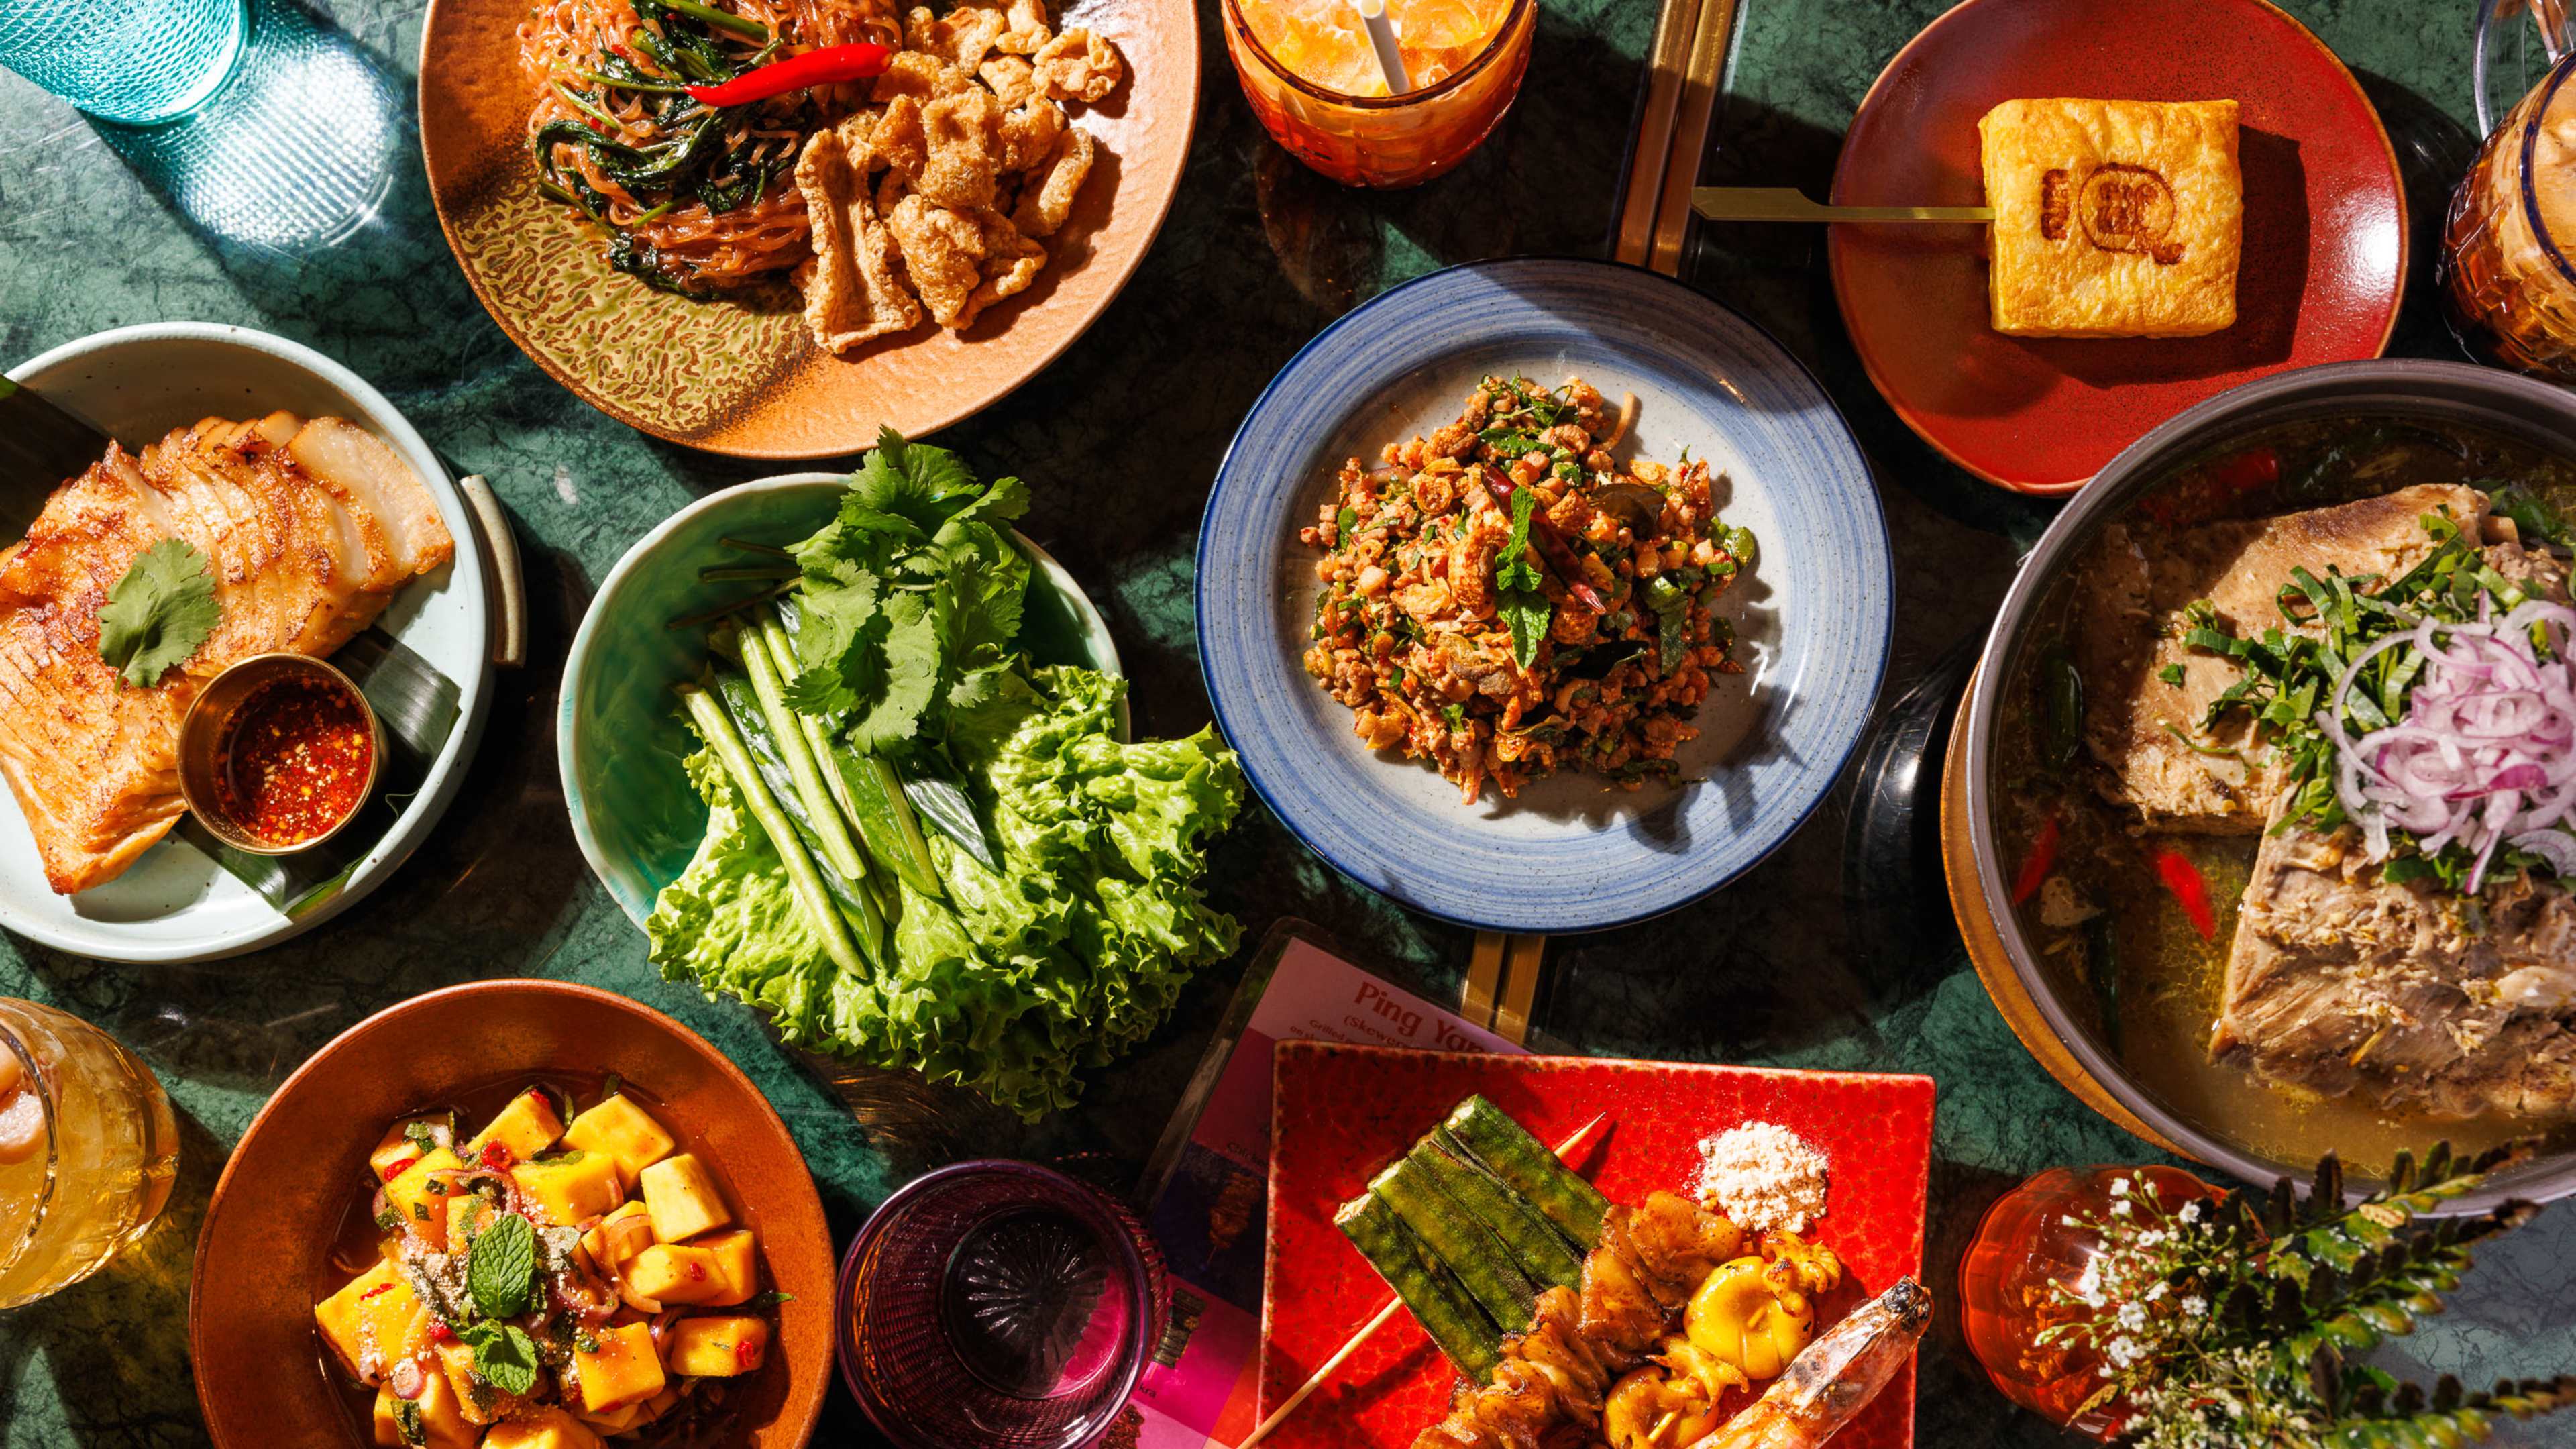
1523	607
501	1267
157	615
504	1356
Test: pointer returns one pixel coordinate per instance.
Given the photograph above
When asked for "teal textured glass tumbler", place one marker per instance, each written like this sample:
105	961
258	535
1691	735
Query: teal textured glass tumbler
138	62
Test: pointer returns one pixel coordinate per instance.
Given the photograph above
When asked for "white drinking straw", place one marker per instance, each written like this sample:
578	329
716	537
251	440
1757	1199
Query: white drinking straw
1381	34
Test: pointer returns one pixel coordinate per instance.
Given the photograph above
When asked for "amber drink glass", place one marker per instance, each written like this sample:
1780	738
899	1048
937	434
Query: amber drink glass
2509	250
1307	69
88	1150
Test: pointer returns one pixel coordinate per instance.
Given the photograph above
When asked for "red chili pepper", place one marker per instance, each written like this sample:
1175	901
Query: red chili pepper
2036	866
831	65
440	1332
372	1292
746	1354
497	1156
399	1168
2249	470
2183	879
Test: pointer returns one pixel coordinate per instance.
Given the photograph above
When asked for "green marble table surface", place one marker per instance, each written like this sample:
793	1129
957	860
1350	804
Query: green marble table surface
1839	952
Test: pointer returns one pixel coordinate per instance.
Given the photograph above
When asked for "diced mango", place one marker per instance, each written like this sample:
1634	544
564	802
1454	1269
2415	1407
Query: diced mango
624	1131
682	1198
623	1370
442	1417
476	1401
422	1211
737	1262
615	1421
397	1150
368	1322
468	1214
599	1239
548	1428
388	1428
527	1126
671	1273
572	1187
716	1347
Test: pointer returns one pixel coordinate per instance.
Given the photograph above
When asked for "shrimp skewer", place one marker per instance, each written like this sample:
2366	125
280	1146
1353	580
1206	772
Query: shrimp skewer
1835	1377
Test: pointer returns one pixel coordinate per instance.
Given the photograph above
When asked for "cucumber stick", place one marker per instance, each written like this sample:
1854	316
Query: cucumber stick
1522	1163
1535	1244
741	703
765	655
886	820
1469	1248
717	727
1437	1300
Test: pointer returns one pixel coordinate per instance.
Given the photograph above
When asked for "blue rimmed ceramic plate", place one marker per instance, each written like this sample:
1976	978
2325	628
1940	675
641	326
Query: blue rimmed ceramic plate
1569	854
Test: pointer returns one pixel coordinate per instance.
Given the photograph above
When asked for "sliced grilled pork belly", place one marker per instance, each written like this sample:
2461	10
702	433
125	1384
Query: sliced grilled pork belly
357	464
2134	586
308	529
2413	997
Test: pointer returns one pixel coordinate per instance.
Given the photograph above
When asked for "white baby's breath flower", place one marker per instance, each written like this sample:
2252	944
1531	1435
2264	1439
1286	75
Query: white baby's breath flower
2119	1187
2120	1209
2193	1305
2133	1317
2156	1293
2191	1211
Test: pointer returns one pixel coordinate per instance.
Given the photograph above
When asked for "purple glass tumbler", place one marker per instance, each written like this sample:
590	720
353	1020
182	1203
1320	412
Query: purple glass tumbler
998	1305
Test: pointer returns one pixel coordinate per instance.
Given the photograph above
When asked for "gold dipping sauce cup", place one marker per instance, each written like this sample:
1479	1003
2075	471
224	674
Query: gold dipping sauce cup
209	720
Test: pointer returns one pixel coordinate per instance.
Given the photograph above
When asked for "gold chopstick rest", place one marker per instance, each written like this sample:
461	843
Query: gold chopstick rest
1787	203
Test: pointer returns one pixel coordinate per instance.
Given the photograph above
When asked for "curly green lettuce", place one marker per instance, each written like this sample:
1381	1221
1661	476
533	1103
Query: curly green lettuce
1063	959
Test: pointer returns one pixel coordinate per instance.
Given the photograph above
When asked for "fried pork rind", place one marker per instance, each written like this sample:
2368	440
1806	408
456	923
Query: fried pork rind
1079	66
943	252
1025	27
1047	199
917	74
962	37
1027	134
1011	264
851	294
963	164
1010	77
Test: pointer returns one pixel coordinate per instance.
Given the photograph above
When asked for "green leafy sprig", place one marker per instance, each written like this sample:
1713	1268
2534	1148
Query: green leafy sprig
158	613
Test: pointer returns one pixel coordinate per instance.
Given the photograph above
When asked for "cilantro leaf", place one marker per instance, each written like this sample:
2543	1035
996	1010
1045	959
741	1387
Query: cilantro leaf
2532	515
157	615
1524	608
501	1268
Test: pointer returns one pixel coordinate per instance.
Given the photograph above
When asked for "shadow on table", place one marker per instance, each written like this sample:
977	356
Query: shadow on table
302	180
116	1344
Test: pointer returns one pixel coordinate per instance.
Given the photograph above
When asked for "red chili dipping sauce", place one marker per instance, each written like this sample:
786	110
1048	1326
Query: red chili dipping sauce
294	761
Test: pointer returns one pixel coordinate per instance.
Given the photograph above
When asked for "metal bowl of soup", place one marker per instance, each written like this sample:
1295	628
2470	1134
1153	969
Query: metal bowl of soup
2128	978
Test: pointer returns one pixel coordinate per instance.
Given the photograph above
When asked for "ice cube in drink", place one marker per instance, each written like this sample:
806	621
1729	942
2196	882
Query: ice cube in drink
1324	41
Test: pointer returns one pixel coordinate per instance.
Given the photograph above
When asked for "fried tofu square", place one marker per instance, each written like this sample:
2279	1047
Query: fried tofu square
851	291
2113	218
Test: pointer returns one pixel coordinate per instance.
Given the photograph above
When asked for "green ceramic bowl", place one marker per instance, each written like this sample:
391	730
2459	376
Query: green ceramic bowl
622	741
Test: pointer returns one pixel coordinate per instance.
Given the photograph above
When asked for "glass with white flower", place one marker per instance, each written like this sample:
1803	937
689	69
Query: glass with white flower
2041	1260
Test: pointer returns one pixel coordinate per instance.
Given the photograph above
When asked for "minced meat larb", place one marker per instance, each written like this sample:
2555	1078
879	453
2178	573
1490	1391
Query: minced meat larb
1505	597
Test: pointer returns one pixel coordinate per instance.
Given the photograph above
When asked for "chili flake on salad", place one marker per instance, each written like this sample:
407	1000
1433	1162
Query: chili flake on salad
1506	598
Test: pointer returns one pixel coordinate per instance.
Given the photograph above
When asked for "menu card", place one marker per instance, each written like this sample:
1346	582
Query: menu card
1207	1189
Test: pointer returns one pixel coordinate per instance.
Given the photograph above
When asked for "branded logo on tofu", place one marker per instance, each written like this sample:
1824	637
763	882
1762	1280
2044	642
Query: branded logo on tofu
2121	208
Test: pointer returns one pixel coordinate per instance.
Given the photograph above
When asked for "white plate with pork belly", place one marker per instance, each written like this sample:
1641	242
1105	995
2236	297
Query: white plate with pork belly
142	897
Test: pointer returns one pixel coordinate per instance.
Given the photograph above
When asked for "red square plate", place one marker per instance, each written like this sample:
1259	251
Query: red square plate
1339	1113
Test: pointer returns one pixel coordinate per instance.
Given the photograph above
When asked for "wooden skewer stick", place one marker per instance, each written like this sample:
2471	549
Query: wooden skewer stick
1566	1151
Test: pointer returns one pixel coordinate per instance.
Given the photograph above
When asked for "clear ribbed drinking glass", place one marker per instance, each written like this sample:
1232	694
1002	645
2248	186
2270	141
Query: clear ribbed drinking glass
139	62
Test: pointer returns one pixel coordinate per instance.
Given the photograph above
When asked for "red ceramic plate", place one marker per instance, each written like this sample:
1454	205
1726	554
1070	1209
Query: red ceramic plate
1342	1112
2324	256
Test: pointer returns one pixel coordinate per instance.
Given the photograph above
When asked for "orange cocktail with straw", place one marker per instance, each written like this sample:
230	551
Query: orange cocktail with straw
1313	78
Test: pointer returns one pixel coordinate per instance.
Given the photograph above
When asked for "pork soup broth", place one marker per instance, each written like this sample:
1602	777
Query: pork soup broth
2138	828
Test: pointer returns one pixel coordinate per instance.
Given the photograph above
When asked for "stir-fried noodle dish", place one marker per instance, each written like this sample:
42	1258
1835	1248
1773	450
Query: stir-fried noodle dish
700	198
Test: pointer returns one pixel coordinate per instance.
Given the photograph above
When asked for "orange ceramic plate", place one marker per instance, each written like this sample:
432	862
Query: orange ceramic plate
294	1179
1339	1113
2324	252
745	378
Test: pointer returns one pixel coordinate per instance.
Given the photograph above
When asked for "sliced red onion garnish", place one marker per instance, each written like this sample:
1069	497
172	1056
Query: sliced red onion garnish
406	1379
2486	754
